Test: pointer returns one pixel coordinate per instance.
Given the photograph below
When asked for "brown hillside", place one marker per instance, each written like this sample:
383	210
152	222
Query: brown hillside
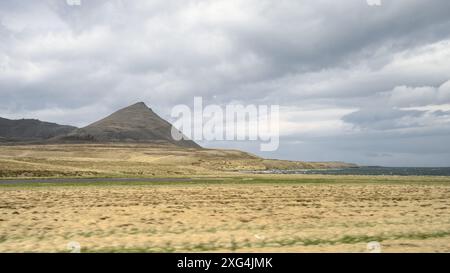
135	123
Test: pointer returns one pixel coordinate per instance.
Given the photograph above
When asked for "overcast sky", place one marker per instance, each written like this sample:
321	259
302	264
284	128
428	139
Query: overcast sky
356	83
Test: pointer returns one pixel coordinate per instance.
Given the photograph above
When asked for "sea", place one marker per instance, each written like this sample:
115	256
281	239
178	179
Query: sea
372	170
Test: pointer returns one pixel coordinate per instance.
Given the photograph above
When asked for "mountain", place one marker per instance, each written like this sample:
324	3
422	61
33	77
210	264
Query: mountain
135	123
30	130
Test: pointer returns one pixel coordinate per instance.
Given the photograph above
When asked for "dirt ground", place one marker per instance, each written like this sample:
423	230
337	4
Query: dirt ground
248	217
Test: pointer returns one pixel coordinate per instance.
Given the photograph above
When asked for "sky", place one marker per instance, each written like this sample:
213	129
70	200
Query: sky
368	84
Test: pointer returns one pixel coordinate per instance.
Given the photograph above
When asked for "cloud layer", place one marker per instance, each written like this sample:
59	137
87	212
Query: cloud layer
359	83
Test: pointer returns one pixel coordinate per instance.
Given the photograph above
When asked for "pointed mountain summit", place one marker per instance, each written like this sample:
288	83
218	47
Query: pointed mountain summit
135	123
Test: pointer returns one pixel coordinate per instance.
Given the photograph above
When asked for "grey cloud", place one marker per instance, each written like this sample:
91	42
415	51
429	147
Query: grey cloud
441	113
372	154
405	96
383	119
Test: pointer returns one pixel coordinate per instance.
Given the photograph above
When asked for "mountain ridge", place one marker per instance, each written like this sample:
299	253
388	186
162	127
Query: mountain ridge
17	130
134	123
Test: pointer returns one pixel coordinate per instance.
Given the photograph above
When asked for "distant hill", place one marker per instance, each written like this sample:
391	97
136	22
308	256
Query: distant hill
30	130
136	124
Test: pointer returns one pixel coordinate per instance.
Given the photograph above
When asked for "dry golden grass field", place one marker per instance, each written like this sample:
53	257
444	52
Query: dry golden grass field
254	214
131	160
220	209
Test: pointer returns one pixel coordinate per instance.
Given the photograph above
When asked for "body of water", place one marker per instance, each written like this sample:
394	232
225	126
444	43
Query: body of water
403	171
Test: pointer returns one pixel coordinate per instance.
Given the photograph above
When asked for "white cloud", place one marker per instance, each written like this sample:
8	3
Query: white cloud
317	121
404	96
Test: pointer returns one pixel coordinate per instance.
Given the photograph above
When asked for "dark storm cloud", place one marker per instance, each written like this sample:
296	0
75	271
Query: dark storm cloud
441	113
337	32
339	68
383	119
